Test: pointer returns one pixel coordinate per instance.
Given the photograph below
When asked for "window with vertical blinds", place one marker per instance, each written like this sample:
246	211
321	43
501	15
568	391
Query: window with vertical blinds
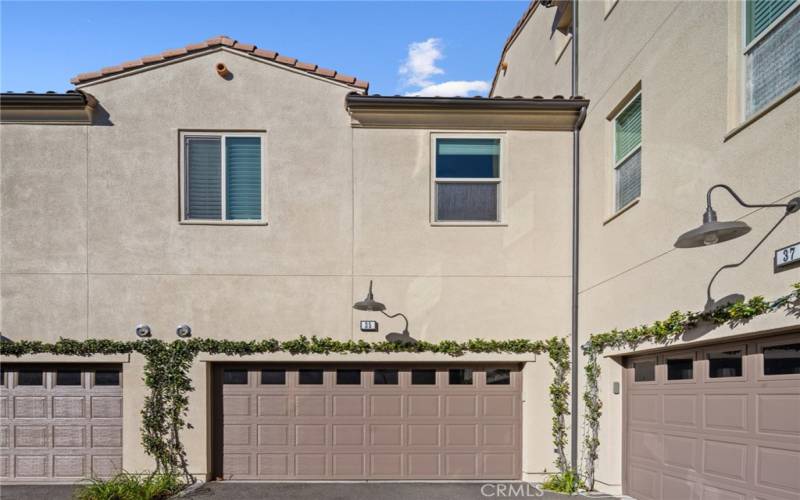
628	153
203	178
222	177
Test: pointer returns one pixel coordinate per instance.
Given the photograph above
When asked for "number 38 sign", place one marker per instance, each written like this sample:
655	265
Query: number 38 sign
787	255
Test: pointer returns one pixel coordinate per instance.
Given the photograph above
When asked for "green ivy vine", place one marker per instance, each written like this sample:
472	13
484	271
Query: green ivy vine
661	332
167	366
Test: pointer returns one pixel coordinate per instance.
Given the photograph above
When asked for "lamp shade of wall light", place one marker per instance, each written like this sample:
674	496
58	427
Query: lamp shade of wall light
711	232
369	303
142	331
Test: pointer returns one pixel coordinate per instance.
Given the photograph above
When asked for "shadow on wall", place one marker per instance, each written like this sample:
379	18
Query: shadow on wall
100	117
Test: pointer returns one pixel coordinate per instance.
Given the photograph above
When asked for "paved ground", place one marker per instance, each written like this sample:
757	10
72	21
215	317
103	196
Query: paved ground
368	491
24	492
320	491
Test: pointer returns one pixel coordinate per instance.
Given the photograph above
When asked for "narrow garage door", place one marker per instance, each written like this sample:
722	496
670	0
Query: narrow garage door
59	424
368	422
722	422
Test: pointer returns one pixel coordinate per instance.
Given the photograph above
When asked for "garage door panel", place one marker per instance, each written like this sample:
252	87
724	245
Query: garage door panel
69	407
680	452
680	410
385	405
725	459
66	436
30	407
423	406
778	468
350	427
644	409
717	493
678	487
69	466
779	414
725	434
726	412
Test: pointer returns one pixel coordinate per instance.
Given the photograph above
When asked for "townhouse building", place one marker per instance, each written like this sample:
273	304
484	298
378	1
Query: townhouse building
225	191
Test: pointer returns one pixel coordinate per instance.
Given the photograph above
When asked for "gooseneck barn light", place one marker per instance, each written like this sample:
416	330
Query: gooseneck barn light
370	304
712	231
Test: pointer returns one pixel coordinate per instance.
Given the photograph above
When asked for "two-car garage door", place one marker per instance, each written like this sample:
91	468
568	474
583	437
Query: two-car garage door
367	422
721	422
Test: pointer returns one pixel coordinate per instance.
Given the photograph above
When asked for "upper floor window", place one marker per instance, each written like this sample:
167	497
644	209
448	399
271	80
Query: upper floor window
771	51
222	177
466	179
628	153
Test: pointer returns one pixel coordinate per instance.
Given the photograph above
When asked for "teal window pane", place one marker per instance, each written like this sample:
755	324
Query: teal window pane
762	13
203	178
243	178
468	158
628	129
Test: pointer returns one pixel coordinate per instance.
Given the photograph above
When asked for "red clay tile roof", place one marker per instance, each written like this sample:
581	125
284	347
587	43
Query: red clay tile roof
223	41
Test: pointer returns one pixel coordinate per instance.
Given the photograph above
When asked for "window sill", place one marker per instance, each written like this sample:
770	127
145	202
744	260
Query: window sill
622	210
222	223
769	107
469	224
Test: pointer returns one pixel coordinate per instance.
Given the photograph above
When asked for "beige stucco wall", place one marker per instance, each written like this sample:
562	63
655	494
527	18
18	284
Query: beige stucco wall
92	244
539	61
685	56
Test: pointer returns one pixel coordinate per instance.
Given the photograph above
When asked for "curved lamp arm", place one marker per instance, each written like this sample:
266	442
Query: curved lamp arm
790	207
405	330
751	252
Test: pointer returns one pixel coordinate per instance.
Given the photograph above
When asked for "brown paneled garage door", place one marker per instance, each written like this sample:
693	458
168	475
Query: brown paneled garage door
368	422
721	422
60	423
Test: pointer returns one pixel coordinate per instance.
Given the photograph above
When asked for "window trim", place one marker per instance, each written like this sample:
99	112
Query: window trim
615	210
500	180
223	134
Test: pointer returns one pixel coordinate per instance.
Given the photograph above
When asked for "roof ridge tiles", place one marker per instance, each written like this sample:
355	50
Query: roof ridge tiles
224	41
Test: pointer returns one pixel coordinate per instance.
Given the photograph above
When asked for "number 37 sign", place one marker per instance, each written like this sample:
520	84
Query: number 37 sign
787	255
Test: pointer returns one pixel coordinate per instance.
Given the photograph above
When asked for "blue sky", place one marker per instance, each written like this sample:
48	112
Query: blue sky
442	48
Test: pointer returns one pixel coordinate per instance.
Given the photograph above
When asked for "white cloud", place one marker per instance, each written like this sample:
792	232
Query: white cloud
420	67
453	88
420	64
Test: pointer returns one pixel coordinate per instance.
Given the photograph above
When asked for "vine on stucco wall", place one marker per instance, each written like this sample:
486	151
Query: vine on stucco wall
661	332
167	366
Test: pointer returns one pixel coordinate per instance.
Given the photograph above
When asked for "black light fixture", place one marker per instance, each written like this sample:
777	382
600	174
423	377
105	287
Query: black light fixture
712	232
370	304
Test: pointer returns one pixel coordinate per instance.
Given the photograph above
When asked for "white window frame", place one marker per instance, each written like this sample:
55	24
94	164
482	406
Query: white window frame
466	180
746	48
616	164
182	167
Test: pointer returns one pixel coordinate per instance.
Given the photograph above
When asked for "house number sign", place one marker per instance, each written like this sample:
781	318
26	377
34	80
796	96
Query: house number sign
787	255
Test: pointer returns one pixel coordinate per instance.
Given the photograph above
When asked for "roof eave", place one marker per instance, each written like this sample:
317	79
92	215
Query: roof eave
76	108
465	113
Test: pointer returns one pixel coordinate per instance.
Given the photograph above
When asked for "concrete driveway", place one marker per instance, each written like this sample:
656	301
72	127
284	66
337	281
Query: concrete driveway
369	491
31	492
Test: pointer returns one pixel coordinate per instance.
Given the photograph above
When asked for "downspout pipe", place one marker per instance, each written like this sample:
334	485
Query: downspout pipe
574	348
